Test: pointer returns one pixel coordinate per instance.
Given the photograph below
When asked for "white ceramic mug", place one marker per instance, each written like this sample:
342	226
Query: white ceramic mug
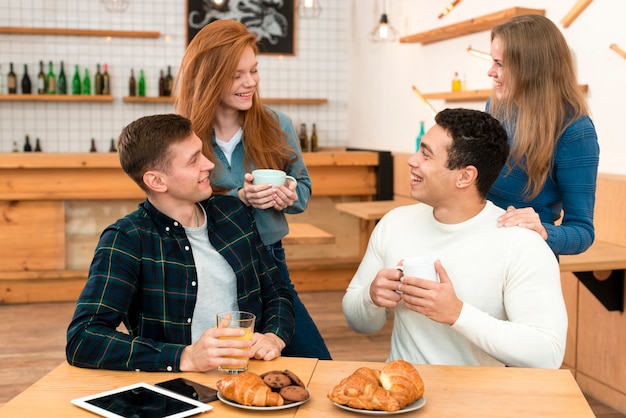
422	267
273	177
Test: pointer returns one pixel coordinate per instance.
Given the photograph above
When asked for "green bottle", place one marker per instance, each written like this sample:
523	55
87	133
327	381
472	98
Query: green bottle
51	80
76	81
62	84
142	84
418	140
86	83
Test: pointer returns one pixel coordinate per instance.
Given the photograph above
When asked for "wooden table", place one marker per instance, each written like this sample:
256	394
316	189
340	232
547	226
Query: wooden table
450	391
307	234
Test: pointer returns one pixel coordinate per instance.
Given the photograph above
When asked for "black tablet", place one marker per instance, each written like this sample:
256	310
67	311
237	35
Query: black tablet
141	400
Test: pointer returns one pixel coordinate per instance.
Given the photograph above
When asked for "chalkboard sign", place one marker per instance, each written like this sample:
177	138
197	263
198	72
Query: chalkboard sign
272	21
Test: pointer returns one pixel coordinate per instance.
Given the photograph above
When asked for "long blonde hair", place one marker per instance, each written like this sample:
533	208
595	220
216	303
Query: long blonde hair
206	74
544	96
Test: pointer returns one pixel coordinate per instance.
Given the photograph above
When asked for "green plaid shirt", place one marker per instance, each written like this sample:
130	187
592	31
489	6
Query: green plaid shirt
143	274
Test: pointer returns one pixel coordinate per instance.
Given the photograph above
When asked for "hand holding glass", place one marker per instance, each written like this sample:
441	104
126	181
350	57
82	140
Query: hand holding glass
245	322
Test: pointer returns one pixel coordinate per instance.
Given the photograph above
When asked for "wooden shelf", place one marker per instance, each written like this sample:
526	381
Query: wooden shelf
477	24
472	95
137	99
79	32
54	98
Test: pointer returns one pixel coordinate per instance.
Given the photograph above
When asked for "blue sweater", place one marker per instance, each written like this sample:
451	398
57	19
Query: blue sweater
570	189
272	224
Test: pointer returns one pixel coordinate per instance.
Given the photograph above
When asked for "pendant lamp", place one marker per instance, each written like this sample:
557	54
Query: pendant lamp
309	9
383	32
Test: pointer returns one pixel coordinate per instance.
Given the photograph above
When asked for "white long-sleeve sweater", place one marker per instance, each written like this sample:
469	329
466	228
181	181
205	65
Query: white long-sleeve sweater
508	279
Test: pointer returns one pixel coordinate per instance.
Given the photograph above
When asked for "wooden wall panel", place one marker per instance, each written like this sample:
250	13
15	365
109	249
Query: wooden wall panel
33	236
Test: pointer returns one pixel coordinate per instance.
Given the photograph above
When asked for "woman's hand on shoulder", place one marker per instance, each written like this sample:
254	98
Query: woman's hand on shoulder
524	218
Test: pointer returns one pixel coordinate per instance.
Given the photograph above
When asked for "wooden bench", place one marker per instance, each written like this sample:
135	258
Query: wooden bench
307	234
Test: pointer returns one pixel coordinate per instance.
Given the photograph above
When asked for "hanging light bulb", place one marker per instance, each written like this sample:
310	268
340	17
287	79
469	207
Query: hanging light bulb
383	32
218	2
309	9
116	5
479	54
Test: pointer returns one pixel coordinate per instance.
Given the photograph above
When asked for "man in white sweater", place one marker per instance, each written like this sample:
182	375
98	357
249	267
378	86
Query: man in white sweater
498	300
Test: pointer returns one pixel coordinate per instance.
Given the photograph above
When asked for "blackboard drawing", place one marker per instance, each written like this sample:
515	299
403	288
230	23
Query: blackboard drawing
272	21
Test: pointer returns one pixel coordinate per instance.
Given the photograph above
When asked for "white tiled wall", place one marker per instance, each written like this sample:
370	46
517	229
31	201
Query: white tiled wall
318	69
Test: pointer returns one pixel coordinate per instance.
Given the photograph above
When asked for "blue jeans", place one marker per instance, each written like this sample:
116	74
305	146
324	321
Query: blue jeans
307	340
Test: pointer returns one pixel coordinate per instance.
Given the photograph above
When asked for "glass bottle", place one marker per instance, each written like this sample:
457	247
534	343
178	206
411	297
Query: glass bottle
27	146
161	84
26	86
169	82
106	81
15	148
11	80
97	82
112	146
142	84
304	141
86	83
62	82
76	87
92	148
314	146
37	145
42	87
132	84
418	140
51	80
456	82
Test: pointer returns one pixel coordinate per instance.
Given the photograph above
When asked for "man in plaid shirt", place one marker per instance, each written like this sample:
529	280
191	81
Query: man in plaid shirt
166	269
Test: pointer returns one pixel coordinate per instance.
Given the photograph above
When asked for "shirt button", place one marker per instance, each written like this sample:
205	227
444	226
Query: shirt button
189	320
169	368
186	247
167	229
193	283
175	223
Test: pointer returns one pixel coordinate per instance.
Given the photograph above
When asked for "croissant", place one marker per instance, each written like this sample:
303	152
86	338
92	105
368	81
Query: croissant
248	389
397	386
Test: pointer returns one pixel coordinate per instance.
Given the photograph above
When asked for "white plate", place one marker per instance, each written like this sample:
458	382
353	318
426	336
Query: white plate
414	406
262	408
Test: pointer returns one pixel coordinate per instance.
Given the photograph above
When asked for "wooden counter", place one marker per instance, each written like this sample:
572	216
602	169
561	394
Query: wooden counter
55	205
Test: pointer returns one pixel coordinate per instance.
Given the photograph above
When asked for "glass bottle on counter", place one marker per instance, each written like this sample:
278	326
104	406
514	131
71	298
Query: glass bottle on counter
37	145
314	146
11	80
76	88
92	148
132	84
161	84
97	81
26	86
62	82
142	84
27	146
169	82
304	141
41	80
112	146
86	83
51	80
106	81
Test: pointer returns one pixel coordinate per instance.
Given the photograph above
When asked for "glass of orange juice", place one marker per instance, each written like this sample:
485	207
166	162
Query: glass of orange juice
236	319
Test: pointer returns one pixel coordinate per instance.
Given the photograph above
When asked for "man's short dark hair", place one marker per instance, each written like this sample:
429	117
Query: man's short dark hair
478	139
144	144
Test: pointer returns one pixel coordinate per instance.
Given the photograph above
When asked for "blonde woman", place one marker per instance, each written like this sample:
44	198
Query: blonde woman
218	90
553	165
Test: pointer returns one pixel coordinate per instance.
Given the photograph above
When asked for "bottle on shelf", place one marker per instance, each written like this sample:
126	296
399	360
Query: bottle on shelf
106	81
456	82
15	148
142	84
112	146
161	84
27	146
418	140
304	140
97	81
26	86
51	80
132	84
62	81
37	145
314	146
76	87
92	148
86	83
169	82
11	80
41	80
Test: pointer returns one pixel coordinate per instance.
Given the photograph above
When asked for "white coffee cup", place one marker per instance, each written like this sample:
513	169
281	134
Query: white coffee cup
273	177
422	267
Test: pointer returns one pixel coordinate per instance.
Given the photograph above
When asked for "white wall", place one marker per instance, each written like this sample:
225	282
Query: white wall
384	113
